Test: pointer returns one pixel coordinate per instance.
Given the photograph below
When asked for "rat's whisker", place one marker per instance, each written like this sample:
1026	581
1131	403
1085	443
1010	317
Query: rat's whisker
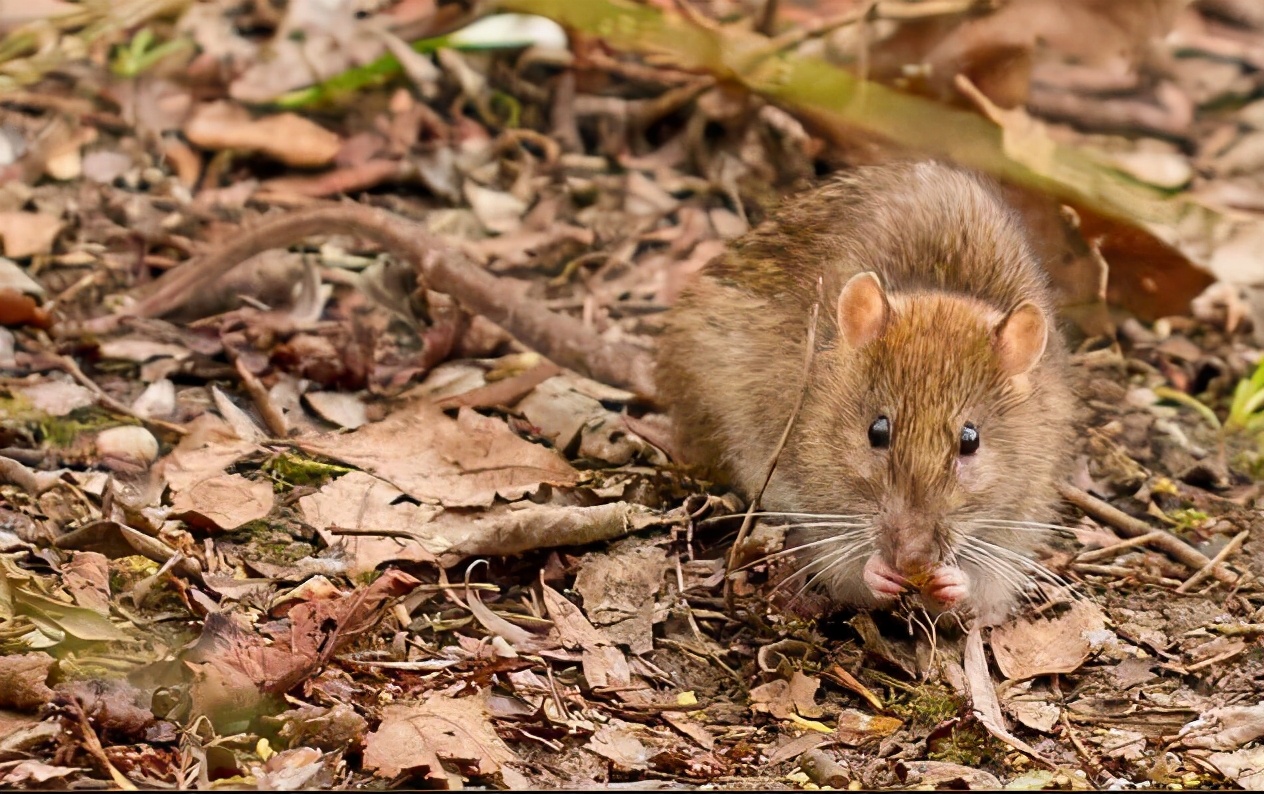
785	514
1033	568
837	538
830	561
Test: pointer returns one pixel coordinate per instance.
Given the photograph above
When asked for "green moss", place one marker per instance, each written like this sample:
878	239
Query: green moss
967	744
291	469
63	431
927	705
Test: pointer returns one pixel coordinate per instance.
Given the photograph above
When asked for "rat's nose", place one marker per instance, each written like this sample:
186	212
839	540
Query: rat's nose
912	548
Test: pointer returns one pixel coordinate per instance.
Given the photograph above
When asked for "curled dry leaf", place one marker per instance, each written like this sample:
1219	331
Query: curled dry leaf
1025	648
210	447
28	774
604	665
55	396
286	137
462	462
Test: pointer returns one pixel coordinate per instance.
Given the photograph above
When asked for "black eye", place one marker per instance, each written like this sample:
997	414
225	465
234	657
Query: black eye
880	432
969	439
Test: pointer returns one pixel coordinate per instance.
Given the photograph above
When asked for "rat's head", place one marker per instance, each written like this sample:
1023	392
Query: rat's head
920	425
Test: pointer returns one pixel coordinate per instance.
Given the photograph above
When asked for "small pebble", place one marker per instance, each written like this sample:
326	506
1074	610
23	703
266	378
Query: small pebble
127	444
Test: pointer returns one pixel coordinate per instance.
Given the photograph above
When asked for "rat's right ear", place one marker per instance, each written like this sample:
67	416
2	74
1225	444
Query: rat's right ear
863	309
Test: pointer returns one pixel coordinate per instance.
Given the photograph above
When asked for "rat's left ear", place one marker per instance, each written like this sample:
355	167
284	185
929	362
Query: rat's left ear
1020	338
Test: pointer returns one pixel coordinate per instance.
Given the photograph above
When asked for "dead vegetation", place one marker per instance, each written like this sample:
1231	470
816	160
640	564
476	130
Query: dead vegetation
312	523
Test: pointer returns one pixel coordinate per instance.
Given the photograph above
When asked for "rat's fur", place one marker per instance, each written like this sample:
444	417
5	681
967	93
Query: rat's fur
953	262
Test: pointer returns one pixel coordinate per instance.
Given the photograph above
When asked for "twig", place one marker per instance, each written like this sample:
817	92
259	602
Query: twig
559	337
93	745
749	519
268	409
1106	552
1205	571
1079	745
68	365
1164	541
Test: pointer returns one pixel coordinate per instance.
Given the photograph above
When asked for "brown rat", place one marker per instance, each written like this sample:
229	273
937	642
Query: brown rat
936	336
935	423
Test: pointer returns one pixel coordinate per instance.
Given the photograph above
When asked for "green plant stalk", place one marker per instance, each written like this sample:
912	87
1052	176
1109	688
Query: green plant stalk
1175	395
816	89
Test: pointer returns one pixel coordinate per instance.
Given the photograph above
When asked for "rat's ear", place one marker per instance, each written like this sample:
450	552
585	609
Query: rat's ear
1020	338
863	309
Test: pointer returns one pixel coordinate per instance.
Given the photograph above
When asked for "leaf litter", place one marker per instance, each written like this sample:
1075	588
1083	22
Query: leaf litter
321	527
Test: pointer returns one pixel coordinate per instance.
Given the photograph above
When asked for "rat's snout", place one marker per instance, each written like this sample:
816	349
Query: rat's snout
909	542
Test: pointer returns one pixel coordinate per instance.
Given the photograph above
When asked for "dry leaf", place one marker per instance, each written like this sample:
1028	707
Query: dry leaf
361	501
286	137
619	588
28	234
1225	728
226	501
23	681
1244	767
465	462
1025	648
417	735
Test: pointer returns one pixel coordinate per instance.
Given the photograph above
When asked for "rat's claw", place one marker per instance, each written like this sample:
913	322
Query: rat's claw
948	585
882	579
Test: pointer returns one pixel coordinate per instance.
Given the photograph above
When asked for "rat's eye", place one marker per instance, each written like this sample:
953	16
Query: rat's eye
969	439
880	432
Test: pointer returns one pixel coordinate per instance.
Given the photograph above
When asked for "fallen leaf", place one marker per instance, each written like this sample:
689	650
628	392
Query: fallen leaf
226	501
604	665
1025	648
1244	767
439	728
944	775
298	768
619	587
854	728
56	396
498	211
24	773
339	408
28	234
618	745
210	447
464	462
87	577
984	703
286	137
23	681
1224	728
361	501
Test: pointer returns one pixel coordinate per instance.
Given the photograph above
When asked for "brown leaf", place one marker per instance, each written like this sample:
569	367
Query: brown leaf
224	502
361	501
23	681
464	462
944	775
619	588
1025	648
210	447
1244	767
1225	728
416	735
87	577
983	700
605	666
286	137
855	727
25	773
114	706
28	233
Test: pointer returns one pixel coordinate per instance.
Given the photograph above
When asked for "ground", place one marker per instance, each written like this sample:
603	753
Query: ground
316	525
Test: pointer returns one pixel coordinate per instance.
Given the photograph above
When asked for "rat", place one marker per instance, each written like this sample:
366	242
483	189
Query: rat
936	418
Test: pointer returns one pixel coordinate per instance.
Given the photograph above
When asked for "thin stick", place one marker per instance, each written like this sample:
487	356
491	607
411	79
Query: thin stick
1106	552
785	436
1206	570
1164	541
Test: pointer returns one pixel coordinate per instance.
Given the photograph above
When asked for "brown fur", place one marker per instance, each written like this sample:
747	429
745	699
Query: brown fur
953	263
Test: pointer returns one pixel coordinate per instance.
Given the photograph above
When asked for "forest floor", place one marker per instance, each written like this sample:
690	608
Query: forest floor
318	527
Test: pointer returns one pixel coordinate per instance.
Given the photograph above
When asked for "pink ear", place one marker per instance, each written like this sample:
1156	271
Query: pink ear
862	309
1020	338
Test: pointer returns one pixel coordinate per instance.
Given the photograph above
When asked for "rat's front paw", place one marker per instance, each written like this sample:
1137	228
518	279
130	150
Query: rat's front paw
882	580
948	585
